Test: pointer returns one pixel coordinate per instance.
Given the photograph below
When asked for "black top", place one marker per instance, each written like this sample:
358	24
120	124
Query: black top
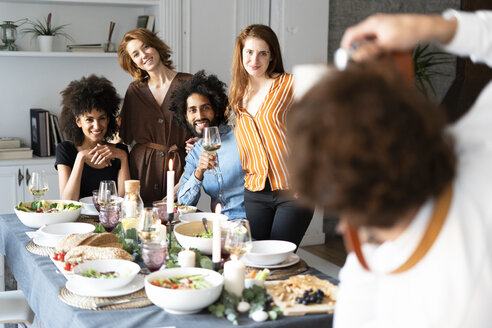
66	154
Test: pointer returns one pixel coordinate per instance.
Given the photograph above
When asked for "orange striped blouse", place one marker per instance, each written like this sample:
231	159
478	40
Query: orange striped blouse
262	139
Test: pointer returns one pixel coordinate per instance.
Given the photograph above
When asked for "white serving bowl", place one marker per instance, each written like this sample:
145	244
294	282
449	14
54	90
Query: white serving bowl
185	232
128	270
52	233
184	209
270	252
88	206
184	301
37	220
192	217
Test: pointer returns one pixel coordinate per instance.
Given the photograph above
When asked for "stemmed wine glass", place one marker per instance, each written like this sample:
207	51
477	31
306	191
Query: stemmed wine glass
38	185
108	194
211	143
238	239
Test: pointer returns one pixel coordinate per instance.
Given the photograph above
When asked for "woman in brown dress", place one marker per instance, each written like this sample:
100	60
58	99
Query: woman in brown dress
146	122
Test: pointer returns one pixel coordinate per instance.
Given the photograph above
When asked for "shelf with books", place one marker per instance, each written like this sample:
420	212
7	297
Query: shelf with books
140	3
57	54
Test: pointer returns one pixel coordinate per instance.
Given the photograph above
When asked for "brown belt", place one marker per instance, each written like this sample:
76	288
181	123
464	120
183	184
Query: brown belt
436	222
160	147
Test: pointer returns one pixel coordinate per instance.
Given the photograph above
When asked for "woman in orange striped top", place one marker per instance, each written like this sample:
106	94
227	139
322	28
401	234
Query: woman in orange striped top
260	95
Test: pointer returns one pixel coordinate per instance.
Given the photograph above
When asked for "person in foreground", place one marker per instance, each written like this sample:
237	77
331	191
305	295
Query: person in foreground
88	120
413	192
260	95
146	122
199	103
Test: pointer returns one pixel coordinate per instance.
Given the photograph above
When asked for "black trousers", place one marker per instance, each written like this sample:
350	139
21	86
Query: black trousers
276	215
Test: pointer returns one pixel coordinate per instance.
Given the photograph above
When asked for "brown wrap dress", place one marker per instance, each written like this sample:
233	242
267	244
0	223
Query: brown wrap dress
157	136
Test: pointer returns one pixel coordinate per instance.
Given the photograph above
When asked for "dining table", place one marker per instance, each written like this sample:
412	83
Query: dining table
38	278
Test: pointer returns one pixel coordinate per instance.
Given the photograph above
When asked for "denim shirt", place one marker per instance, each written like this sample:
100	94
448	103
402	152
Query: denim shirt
226	187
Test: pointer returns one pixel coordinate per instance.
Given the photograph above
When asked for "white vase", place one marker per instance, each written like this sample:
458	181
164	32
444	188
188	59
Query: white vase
46	43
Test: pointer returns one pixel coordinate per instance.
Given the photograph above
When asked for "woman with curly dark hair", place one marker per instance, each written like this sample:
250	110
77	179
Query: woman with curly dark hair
89	122
146	122
199	103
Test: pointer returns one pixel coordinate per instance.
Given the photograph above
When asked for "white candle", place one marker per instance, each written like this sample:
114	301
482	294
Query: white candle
170	188
186	258
216	256
234	272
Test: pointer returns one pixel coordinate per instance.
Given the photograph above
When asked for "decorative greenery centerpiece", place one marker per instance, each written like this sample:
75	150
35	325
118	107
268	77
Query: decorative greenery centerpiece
45	27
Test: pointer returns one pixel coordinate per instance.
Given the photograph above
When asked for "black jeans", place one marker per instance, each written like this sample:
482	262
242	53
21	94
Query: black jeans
275	215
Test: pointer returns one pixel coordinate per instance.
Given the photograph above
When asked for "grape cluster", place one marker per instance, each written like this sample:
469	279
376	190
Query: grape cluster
311	296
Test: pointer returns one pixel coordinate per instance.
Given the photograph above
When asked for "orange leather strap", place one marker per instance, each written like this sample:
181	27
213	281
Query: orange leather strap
436	222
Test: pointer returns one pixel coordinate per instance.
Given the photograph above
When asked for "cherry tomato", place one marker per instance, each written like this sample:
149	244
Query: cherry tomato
56	257
61	256
155	283
39	210
67	267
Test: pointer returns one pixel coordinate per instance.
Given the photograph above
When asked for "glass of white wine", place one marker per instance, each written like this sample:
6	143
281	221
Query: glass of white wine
38	185
238	239
211	143
108	194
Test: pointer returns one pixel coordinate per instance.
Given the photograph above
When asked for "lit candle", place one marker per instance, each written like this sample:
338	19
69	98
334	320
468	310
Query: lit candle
186	258
234	272
216	256
170	188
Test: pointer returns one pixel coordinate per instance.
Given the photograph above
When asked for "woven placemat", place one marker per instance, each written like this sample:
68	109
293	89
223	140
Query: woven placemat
284	273
39	250
86	302
88	219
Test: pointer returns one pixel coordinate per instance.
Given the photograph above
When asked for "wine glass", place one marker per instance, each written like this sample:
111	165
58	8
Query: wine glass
211	143
108	194
238	239
38	185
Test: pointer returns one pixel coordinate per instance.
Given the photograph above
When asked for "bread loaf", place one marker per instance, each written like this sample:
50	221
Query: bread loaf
89	239
86	253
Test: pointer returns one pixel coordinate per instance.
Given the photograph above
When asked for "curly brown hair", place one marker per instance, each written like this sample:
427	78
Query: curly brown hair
368	145
150	39
84	95
206	85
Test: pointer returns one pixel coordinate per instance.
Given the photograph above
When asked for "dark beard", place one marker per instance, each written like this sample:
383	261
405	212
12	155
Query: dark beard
193	130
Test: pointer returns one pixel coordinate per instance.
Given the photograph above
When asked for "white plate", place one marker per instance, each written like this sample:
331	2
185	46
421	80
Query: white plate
88	208
75	287
42	240
291	260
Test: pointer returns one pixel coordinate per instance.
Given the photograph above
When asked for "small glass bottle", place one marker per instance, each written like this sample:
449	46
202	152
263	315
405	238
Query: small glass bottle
132	207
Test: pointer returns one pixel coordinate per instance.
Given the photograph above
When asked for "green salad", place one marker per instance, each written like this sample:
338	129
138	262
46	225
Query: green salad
100	275
43	206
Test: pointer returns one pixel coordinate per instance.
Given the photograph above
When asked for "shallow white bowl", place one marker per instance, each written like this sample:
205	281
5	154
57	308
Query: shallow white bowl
52	233
192	217
37	220
178	301
185	232
127	270
269	252
184	209
88	208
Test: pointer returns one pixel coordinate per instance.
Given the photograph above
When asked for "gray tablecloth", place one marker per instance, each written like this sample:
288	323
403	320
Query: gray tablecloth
37	277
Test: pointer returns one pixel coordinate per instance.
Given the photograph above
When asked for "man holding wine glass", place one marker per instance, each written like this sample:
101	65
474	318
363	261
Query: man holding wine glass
199	105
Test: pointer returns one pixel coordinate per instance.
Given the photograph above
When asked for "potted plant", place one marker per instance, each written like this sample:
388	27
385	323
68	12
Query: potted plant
426	66
45	32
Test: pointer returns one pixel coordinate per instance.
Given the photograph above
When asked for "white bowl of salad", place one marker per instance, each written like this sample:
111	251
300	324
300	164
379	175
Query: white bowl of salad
105	274
183	290
39	213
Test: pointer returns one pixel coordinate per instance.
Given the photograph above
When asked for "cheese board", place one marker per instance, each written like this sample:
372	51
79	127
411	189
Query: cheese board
284	293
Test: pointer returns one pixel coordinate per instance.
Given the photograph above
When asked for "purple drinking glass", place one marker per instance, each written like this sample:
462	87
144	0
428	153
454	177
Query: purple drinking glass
154	255
94	199
109	216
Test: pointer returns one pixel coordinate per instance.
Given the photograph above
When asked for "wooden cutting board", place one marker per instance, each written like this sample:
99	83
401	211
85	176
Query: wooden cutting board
285	300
